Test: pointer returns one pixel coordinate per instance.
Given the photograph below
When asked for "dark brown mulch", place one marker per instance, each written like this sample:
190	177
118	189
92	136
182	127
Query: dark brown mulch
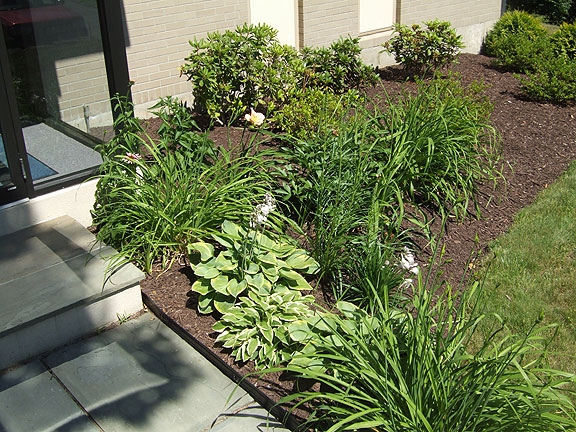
539	143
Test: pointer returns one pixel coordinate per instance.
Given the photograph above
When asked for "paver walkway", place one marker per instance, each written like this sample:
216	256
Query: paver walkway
139	376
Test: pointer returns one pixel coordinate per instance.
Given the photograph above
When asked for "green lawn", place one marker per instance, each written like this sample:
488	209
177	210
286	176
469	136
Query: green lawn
533	269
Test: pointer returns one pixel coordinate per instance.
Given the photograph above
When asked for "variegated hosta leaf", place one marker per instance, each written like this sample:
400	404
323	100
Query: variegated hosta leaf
206	250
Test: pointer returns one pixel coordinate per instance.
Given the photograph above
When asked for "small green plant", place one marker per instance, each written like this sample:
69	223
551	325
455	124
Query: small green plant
257	327
337	68
313	111
518	41
422	50
555	11
434	147
234	71
248	260
564	41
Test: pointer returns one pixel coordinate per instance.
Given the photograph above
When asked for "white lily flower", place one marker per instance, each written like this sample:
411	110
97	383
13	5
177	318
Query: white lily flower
408	262
255	118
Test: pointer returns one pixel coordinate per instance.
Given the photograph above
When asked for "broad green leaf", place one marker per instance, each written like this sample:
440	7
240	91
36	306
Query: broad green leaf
251	348
206	250
259	282
223	241
266	330
224	264
299	330
201	286
295	280
219	283
236	288
219	326
206	270
300	260
223	303
271	272
231	229
205	304
268	258
252	268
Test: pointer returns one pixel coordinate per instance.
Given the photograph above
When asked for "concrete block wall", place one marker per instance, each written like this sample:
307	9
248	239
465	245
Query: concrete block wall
158	35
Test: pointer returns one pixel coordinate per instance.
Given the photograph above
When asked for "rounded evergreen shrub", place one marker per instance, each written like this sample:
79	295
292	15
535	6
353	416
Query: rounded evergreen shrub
564	41
518	40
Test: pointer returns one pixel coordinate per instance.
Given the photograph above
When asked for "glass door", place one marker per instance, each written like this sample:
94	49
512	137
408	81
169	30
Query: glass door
14	170
59	74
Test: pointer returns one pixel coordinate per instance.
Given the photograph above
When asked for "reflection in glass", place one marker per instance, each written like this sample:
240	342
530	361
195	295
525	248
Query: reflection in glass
59	74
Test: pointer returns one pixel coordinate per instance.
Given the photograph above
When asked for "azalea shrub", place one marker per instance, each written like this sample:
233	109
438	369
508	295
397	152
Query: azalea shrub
240	69
337	68
423	50
248	68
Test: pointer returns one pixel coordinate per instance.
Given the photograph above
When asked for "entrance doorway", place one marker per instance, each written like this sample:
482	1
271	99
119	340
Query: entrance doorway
56	67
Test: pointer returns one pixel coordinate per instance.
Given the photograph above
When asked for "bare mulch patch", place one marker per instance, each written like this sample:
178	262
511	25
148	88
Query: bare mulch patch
539	143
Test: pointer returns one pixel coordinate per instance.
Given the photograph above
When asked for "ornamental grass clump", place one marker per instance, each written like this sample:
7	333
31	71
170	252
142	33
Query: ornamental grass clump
434	148
181	189
409	366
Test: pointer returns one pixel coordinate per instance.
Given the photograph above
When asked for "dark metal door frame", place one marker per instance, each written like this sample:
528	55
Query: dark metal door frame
12	135
111	16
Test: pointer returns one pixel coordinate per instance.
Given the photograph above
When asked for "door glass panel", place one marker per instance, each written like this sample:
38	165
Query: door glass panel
5	177
59	73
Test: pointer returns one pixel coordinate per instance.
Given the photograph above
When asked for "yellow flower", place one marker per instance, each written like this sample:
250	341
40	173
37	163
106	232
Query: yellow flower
255	118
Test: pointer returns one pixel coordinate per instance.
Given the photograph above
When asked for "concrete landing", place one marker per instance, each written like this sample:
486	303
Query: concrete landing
53	288
139	376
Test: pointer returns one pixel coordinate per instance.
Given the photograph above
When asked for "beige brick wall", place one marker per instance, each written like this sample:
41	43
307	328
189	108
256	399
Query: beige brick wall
324	21
460	13
159	31
158	35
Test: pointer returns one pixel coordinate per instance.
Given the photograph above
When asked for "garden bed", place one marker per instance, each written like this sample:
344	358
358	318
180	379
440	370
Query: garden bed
539	143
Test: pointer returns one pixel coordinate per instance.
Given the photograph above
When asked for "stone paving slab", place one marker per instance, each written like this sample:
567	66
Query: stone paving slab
31	400
141	376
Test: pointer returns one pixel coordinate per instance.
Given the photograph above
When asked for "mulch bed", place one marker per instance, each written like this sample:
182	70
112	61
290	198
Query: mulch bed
539	143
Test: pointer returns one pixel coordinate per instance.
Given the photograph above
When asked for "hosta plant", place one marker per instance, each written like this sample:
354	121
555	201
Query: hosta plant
256	328
246	260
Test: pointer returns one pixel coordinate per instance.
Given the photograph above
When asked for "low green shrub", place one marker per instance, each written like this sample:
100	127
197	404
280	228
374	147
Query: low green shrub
412	367
234	71
518	41
564	41
423	50
555	11
337	68
553	81
313	111
247	260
